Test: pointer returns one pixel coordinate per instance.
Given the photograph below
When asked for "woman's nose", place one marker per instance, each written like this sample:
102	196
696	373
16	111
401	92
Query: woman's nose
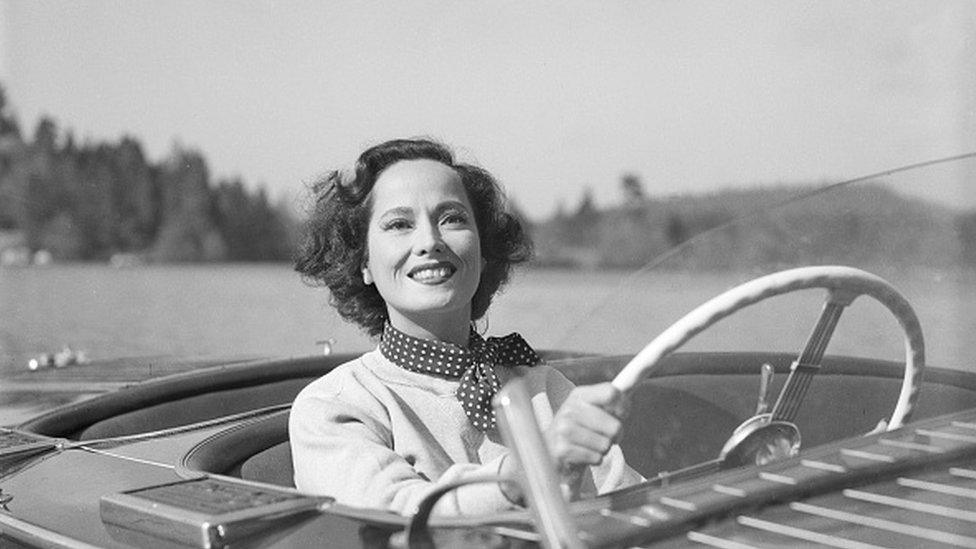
428	239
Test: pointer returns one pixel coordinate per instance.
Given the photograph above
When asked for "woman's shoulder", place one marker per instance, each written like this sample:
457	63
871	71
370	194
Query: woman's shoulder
348	393
340	379
351	389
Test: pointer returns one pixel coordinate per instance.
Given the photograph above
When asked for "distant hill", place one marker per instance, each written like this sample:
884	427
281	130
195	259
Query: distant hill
861	225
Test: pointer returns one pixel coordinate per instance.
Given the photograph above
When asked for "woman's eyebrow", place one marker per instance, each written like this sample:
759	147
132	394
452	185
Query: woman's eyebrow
397	211
406	211
451	205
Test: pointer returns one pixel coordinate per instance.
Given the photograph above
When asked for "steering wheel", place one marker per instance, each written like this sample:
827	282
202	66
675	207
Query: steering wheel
843	285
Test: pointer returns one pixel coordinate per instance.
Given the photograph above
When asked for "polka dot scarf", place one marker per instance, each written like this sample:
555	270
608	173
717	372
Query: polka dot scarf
474	366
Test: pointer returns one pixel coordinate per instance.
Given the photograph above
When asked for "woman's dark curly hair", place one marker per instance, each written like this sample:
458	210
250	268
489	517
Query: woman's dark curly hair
332	251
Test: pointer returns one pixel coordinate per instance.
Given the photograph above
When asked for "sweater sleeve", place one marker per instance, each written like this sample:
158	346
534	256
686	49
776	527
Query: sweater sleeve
341	449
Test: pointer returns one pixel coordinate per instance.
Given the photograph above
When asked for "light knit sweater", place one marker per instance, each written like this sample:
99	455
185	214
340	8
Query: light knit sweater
372	434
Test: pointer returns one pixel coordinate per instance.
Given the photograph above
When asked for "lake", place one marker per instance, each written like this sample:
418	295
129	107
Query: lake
266	310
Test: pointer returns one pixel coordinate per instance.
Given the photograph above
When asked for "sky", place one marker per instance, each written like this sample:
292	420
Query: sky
551	97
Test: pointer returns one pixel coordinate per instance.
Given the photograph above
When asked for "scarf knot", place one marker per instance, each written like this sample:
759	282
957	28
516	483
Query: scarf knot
474	366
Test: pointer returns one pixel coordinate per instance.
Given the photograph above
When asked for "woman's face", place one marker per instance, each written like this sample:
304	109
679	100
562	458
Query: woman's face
423	246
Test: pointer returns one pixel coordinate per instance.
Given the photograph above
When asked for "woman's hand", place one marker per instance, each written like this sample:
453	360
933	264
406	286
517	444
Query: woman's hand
585	427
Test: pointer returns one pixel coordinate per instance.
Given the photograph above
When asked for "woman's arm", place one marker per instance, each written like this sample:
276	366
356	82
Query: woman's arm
341	449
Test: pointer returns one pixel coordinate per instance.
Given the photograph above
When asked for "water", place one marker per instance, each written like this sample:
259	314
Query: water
266	310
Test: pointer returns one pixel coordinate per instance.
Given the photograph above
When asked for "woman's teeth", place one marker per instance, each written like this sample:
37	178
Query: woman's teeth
433	274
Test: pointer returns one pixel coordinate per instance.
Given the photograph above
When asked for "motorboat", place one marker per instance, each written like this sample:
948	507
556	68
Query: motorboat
740	448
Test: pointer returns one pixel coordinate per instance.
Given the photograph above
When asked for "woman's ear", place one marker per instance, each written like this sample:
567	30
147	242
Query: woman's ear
367	276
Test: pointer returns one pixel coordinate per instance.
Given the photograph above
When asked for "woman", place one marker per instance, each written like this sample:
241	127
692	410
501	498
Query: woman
412	247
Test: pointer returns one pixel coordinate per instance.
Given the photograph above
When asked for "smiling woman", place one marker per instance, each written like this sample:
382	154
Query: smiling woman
412	247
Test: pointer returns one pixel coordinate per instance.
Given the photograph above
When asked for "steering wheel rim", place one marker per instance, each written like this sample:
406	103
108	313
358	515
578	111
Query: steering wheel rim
844	284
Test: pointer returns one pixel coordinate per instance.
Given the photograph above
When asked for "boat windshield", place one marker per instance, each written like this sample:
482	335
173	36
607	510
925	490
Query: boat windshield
915	227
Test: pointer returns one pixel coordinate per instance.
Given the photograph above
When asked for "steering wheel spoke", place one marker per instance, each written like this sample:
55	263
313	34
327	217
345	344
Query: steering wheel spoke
808	363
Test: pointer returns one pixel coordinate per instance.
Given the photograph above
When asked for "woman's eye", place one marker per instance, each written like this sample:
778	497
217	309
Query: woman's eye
454	218
396	225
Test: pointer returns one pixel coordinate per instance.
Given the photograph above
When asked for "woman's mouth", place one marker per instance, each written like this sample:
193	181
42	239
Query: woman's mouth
432	274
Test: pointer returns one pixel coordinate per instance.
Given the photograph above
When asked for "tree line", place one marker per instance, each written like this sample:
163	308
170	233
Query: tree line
92	201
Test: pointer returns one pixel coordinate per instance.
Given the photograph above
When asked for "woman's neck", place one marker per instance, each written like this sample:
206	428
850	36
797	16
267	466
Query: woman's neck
447	328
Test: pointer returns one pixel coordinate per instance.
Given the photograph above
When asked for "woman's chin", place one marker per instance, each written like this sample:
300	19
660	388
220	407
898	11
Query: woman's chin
448	305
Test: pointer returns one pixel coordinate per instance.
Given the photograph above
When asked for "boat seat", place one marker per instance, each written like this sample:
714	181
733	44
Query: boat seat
253	450
272	465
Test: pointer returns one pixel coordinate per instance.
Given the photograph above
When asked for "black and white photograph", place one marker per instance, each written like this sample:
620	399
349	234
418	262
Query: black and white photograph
432	273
